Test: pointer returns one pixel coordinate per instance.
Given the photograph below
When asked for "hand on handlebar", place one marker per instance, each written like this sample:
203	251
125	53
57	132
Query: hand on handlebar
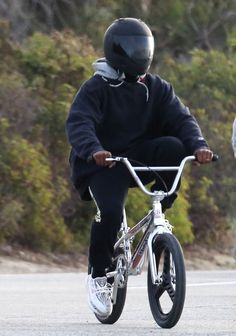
100	159
203	156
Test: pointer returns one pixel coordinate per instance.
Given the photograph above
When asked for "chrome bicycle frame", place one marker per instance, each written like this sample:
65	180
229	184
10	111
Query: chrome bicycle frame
152	224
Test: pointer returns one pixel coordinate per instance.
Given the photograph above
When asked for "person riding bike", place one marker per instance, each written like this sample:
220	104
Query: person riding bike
123	110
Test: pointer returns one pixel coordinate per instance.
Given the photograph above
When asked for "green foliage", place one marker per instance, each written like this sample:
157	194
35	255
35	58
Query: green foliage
39	78
55	66
11	213
208	221
33	164
28	195
17	103
179	25
56	57
137	206
207	84
178	215
78	217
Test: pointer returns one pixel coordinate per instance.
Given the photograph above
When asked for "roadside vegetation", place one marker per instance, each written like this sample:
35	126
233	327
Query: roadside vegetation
46	51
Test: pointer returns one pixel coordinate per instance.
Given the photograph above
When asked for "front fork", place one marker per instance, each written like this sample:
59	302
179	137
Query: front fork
160	227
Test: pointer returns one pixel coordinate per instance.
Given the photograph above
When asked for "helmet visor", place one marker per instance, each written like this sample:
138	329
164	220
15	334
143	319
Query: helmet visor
139	49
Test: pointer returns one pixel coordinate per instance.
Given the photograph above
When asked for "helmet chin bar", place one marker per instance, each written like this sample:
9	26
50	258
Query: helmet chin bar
131	78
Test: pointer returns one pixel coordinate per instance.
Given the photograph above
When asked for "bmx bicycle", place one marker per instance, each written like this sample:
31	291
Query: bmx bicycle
166	278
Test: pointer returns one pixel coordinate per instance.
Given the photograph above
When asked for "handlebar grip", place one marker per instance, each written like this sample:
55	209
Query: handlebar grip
215	157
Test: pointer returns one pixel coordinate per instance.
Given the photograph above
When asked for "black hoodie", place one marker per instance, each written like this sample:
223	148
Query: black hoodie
115	115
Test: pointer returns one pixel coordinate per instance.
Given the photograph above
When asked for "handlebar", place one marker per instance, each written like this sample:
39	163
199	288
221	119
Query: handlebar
162	194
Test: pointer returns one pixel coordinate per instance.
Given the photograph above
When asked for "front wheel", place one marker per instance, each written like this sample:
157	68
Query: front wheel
167	296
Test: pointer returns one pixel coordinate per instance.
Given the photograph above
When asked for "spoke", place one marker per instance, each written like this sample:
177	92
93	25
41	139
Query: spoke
166	284
167	277
170	290
166	267
159	291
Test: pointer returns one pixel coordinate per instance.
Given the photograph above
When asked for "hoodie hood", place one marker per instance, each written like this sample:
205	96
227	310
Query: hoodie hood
102	68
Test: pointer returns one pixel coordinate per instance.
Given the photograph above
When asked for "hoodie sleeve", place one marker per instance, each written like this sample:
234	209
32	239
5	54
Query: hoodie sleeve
83	118
178	121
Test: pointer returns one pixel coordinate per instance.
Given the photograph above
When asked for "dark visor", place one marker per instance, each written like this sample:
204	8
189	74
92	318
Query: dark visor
137	48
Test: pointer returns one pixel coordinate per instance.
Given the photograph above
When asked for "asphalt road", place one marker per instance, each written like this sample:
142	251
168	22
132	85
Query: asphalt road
55	304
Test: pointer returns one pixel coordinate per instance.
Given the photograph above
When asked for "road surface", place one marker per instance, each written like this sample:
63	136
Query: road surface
55	304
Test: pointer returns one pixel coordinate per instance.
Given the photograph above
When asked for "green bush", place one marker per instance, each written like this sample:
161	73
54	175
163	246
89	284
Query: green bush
178	215
27	192
207	85
38	80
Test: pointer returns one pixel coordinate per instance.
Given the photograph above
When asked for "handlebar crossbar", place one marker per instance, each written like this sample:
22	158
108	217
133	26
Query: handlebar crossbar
162	194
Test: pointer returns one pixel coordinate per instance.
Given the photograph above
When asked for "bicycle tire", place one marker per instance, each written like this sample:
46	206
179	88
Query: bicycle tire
121	292
172	286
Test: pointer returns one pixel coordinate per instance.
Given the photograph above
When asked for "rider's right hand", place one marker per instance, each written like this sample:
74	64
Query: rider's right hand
100	158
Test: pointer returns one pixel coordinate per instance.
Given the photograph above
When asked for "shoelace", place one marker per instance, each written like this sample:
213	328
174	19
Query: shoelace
105	289
104	293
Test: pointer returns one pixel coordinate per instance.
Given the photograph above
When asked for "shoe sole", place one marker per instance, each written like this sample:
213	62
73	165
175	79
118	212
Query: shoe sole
96	311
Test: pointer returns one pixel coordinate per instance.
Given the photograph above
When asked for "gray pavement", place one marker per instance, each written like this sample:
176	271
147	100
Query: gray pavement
55	304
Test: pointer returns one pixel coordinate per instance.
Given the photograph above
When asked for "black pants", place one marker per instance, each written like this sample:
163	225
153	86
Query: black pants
110	186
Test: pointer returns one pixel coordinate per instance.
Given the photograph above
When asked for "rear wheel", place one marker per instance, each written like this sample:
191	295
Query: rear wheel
167	296
120	265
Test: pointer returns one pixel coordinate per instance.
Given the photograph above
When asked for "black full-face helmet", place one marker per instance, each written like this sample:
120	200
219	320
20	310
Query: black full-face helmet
129	46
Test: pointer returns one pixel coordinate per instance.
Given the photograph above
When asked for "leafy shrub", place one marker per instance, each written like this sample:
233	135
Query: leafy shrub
28	194
207	85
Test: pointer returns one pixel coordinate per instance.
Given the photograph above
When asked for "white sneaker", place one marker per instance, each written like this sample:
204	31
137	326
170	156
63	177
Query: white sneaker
99	296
